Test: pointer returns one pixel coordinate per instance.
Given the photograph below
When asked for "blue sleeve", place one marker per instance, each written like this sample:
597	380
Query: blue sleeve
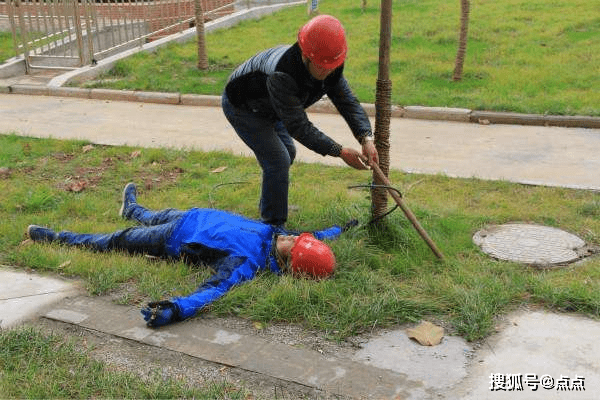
231	271
330	233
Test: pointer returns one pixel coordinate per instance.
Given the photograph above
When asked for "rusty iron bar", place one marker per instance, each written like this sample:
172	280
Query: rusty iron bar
411	217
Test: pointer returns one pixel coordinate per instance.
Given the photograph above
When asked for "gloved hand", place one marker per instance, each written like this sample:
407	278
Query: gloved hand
159	313
350	224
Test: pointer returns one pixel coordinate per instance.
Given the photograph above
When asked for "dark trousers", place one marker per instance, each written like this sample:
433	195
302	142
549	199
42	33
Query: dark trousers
149	238
275	151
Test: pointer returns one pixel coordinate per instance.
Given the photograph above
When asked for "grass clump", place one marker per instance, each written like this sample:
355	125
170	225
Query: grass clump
386	275
35	365
6	46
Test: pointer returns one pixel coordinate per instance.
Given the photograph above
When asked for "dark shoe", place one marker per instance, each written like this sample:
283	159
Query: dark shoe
129	199
41	234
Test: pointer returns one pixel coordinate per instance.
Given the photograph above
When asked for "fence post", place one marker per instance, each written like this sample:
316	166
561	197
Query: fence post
24	35
88	27
78	31
13	27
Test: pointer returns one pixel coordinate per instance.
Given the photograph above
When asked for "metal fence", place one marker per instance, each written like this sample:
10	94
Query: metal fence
66	34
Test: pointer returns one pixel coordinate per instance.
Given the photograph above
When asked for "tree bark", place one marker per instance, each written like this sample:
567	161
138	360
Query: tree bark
462	41
202	56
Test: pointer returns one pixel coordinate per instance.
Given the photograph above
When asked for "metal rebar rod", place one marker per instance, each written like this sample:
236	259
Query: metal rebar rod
411	217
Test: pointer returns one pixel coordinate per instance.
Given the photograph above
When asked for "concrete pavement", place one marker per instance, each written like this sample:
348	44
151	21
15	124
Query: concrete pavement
529	344
25	295
540	155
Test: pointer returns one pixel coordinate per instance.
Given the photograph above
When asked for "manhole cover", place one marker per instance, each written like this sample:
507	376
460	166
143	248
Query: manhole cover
529	244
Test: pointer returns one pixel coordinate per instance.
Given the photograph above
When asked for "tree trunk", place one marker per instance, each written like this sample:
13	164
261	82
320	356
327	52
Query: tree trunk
383	106
462	42
202	56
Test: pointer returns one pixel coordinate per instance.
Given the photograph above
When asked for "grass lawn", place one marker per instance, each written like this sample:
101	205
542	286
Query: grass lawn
41	365
535	57
385	276
531	57
6	46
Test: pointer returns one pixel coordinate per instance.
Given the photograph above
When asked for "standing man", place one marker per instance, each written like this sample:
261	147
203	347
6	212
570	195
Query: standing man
265	101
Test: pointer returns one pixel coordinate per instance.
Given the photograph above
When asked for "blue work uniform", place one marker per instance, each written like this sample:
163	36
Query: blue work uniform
236	247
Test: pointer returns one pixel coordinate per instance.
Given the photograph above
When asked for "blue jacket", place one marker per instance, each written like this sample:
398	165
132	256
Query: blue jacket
235	246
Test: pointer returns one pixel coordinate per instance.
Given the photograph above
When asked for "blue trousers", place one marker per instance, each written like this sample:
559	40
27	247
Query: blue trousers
149	238
275	151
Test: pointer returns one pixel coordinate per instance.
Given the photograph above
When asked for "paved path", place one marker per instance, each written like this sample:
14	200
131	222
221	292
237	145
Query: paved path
554	156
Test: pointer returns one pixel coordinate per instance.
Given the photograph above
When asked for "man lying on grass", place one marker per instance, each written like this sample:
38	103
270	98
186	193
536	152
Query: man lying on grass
236	247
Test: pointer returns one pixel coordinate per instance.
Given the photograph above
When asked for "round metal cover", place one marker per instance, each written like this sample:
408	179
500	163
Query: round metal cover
529	244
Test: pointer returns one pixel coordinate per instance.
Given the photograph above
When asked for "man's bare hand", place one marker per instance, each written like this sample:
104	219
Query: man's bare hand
370	152
353	158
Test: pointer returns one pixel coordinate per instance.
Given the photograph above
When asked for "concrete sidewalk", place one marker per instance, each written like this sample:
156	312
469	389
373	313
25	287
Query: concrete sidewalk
26	295
547	351
553	156
390	366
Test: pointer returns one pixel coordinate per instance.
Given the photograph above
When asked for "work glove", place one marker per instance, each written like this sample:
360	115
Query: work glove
160	313
349	225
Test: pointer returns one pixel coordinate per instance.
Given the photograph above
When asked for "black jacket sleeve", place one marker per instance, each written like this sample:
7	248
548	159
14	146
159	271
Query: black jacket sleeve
289	107
350	109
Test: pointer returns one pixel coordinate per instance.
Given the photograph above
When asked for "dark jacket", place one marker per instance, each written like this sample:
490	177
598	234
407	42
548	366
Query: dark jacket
275	84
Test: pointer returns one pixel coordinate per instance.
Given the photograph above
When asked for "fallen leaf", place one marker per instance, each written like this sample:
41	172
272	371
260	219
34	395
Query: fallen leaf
4	172
258	326
77	186
426	333
217	170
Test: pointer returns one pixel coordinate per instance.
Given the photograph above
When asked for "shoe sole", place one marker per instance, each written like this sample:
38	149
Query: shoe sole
40	239
122	210
29	230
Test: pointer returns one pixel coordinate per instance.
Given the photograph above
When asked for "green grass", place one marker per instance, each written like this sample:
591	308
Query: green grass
385	276
535	57
35	365
6	46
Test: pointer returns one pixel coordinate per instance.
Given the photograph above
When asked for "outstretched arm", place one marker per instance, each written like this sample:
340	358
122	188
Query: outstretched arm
335	231
231	271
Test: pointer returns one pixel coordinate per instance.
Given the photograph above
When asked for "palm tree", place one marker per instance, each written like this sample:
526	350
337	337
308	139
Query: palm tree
462	42
202	56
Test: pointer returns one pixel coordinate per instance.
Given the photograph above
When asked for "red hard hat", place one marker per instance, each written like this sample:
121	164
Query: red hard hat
323	41
311	256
